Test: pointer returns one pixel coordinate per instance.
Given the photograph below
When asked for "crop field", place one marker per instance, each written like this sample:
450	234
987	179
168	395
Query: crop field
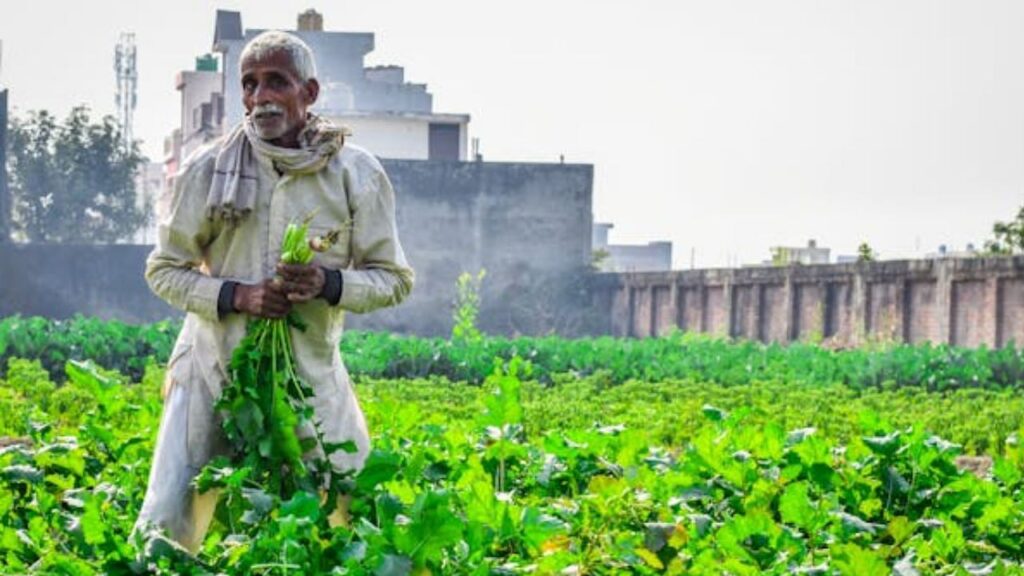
676	455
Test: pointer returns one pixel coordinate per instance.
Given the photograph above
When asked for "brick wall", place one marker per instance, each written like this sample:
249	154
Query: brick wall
967	302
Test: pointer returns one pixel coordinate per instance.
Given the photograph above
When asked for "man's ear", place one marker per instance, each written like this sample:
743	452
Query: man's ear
312	91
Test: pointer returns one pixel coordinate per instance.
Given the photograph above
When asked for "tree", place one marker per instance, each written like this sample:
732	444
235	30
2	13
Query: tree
865	253
1008	236
467	307
72	182
780	256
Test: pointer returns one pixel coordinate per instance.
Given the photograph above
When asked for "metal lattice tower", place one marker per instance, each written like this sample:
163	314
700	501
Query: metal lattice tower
127	78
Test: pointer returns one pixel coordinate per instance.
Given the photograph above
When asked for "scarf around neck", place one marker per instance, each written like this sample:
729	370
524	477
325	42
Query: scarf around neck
232	194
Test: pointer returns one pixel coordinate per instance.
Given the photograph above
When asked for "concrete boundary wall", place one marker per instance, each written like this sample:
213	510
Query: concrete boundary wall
527	224
966	302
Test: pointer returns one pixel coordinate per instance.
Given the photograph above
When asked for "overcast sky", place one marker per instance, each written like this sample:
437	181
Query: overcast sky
723	126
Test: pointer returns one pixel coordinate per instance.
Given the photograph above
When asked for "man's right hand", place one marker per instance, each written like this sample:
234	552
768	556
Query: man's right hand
264	300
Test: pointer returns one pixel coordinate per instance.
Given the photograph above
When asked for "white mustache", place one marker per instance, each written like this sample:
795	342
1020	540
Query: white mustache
269	108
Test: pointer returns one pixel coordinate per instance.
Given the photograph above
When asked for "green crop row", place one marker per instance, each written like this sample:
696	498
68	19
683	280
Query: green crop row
128	348
514	476
116	345
670	411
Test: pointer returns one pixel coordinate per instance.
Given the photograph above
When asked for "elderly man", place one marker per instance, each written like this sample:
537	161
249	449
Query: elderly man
216	258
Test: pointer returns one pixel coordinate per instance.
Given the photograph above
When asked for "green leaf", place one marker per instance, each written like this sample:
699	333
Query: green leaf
900	529
92	523
714	414
795	507
22	473
380	466
260	505
538	528
248	418
852	560
432	527
302	505
348	447
855	524
503	406
1006	472
650	558
883	445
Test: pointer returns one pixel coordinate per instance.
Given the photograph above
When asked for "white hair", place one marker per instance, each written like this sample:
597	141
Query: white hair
273	41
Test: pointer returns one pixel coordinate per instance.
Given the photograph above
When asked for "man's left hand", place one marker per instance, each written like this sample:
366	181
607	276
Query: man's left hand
302	282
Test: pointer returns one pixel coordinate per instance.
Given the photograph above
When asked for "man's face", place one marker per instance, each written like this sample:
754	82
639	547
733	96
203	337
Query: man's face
276	97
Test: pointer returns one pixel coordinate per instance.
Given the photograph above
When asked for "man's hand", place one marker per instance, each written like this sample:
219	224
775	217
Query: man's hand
267	299
302	282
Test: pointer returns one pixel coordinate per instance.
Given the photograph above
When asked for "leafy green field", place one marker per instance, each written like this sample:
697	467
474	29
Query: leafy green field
127	348
537	469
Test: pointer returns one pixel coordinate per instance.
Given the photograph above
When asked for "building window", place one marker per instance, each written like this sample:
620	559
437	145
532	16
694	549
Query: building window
444	141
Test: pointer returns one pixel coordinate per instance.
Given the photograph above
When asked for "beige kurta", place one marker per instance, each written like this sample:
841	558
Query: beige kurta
194	256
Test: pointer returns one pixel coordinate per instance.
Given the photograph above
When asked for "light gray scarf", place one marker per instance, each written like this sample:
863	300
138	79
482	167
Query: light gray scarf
235	182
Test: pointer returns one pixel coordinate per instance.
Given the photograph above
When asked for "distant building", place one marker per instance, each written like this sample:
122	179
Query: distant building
149	182
945	251
202	113
652	257
810	254
389	116
202	104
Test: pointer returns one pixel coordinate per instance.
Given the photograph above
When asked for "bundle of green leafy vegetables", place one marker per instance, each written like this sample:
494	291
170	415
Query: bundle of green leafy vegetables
269	422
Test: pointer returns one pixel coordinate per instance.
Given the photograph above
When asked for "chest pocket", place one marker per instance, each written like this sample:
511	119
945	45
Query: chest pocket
325	195
339	236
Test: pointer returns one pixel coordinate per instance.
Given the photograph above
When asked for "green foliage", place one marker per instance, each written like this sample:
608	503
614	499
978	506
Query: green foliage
671	412
780	256
1008	237
129	349
69	487
265	406
467	308
270	482
750	490
72	182
865	253
264	403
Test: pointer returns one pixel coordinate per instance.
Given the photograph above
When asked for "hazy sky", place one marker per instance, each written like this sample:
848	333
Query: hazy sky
723	126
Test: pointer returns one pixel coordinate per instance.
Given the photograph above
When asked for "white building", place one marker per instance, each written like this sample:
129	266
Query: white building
202	104
202	112
389	116
810	254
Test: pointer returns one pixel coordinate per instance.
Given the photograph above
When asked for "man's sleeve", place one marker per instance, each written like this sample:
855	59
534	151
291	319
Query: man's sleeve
379	275
172	269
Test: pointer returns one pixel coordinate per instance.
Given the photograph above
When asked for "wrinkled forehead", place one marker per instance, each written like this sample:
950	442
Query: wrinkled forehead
279	60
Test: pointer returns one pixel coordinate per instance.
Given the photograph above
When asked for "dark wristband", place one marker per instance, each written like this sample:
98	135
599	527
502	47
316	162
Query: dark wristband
226	299
333	285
